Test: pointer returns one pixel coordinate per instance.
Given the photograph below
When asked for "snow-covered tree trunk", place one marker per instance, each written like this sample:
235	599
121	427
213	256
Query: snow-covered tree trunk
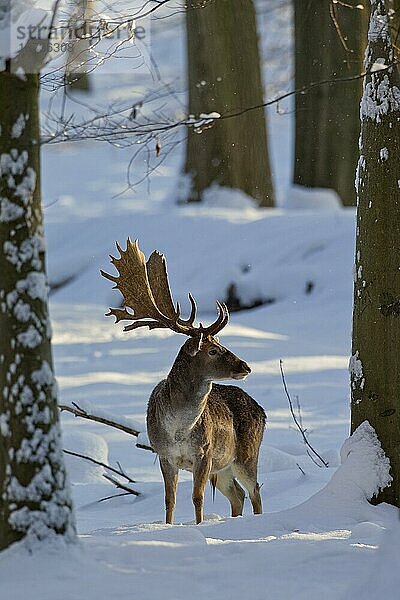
375	364
224	75
34	495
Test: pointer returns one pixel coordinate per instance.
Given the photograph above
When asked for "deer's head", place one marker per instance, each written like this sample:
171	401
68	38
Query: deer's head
148	303
213	360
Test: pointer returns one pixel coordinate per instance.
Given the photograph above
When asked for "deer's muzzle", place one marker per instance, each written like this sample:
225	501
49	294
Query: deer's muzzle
241	371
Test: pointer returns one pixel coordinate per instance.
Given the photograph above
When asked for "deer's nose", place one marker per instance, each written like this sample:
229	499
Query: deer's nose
245	367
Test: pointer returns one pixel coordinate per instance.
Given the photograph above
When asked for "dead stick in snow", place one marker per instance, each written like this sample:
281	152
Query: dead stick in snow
120	485
113	496
119	472
310	449
80	412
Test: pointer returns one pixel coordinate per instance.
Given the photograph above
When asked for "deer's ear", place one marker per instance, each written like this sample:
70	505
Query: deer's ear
194	345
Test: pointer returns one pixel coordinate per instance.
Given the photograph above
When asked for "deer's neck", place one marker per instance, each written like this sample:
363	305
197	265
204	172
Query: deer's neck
188	390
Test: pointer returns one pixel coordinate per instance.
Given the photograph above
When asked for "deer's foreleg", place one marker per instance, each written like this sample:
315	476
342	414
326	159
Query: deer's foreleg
201	473
170	475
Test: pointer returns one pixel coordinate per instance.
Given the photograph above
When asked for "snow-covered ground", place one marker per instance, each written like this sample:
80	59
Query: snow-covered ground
318	536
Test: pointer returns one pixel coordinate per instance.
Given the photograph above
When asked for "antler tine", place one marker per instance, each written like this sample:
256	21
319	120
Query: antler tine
132	281
149	324
193	311
157	274
220	322
145	290
109	277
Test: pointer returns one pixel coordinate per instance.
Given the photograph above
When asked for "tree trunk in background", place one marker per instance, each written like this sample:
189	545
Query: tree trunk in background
375	364
224	75
327	117
394	8
34	496
77	66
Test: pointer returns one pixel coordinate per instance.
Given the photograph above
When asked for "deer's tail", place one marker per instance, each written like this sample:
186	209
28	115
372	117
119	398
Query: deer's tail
213	481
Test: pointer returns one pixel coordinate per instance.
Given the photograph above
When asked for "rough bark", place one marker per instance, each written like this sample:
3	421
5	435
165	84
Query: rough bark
327	117
394	8
224	75
375	364
34	496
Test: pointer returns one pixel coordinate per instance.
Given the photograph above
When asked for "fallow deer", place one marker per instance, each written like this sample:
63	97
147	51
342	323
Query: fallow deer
212	430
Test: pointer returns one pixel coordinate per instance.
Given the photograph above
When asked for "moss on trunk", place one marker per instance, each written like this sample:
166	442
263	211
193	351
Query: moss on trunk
375	365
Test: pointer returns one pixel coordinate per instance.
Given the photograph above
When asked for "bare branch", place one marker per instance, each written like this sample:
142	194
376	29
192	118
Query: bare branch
347	5
113	496
80	412
118	471
120	485
144	447
333	14
310	450
103	127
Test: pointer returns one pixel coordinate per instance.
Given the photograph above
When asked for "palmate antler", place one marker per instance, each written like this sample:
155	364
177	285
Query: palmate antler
145	290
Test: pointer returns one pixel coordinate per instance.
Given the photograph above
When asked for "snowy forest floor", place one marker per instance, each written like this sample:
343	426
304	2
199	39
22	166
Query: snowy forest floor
318	536
311	540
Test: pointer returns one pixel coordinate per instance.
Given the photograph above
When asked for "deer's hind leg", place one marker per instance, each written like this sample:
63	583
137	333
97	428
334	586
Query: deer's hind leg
230	488
247	475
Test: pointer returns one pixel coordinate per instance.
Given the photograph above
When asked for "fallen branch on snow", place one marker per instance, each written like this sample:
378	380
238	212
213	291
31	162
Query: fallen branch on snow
115	482
118	471
120	485
81	412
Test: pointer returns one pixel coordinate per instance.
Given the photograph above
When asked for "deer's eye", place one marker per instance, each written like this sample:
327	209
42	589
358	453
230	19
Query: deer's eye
212	351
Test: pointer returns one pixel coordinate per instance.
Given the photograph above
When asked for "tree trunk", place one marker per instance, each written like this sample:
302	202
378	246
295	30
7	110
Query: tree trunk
224	75
375	364
34	495
327	117
394	10
78	60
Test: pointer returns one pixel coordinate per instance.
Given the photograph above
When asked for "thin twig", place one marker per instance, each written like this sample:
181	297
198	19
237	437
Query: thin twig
310	449
145	447
120	485
118	471
299	467
84	130
333	14
113	496
300	417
